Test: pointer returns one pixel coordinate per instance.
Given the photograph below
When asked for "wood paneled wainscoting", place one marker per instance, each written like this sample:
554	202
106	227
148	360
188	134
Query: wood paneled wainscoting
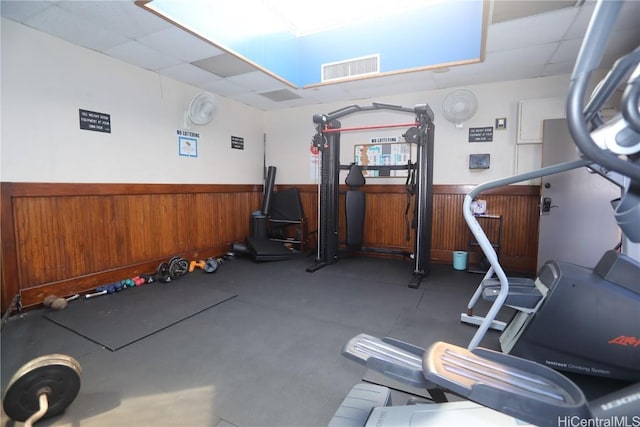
517	204
61	238
70	238
386	223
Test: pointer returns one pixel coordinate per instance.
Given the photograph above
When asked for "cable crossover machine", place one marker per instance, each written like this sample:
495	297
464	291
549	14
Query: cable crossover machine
327	141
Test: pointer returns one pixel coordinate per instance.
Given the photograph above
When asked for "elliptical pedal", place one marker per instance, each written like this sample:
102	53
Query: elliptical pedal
514	386
393	358
523	296
523	292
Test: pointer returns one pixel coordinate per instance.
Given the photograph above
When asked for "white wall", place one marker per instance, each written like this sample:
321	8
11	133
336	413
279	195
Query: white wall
289	132
45	81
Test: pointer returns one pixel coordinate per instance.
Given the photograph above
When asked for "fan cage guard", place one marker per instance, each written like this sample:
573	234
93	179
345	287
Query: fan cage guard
459	106
202	109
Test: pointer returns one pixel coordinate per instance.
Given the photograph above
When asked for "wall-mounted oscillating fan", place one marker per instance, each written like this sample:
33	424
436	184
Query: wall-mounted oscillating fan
459	106
201	110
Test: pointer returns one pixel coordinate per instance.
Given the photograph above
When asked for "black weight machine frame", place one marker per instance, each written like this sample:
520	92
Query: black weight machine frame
327	141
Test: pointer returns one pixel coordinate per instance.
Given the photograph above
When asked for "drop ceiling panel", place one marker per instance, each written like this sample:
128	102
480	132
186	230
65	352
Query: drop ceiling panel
179	43
516	64
619	43
225	65
409	82
628	19
622	42
579	25
558	68
267	104
136	53
257	81
507	10
531	31
390	85
523	63
62	24
189	73
21	10
301	102
280	95
326	93
629	16
567	51
258	101
224	87
120	17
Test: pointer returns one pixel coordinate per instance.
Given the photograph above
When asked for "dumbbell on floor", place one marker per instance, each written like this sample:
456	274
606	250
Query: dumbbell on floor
209	266
58	303
109	289
139	280
196	264
100	290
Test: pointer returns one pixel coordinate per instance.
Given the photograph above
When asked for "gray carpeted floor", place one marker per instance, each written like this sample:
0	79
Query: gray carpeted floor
268	357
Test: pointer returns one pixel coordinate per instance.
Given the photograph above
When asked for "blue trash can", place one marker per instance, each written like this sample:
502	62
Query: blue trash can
460	260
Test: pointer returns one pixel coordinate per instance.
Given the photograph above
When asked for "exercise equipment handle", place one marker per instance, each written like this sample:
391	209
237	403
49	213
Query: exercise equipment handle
487	247
609	84
356	108
631	98
368	127
602	20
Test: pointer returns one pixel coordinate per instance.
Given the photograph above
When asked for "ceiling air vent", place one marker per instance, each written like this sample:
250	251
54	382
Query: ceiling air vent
351	68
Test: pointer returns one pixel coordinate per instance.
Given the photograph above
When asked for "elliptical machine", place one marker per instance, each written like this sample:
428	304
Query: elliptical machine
572	318
525	389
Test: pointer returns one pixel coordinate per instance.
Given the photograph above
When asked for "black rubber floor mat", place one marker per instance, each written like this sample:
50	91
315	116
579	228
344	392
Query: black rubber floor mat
117	320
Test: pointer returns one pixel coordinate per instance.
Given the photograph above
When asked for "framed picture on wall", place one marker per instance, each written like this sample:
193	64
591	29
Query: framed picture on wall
383	155
187	146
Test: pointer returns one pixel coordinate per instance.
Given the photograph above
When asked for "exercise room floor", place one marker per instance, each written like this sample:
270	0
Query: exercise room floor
268	357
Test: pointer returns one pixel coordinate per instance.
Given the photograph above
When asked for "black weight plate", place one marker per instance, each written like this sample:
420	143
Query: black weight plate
163	269
58	374
174	259
211	265
178	267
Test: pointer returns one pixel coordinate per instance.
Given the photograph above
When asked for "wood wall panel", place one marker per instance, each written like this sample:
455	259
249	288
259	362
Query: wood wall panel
449	228
67	238
385	225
